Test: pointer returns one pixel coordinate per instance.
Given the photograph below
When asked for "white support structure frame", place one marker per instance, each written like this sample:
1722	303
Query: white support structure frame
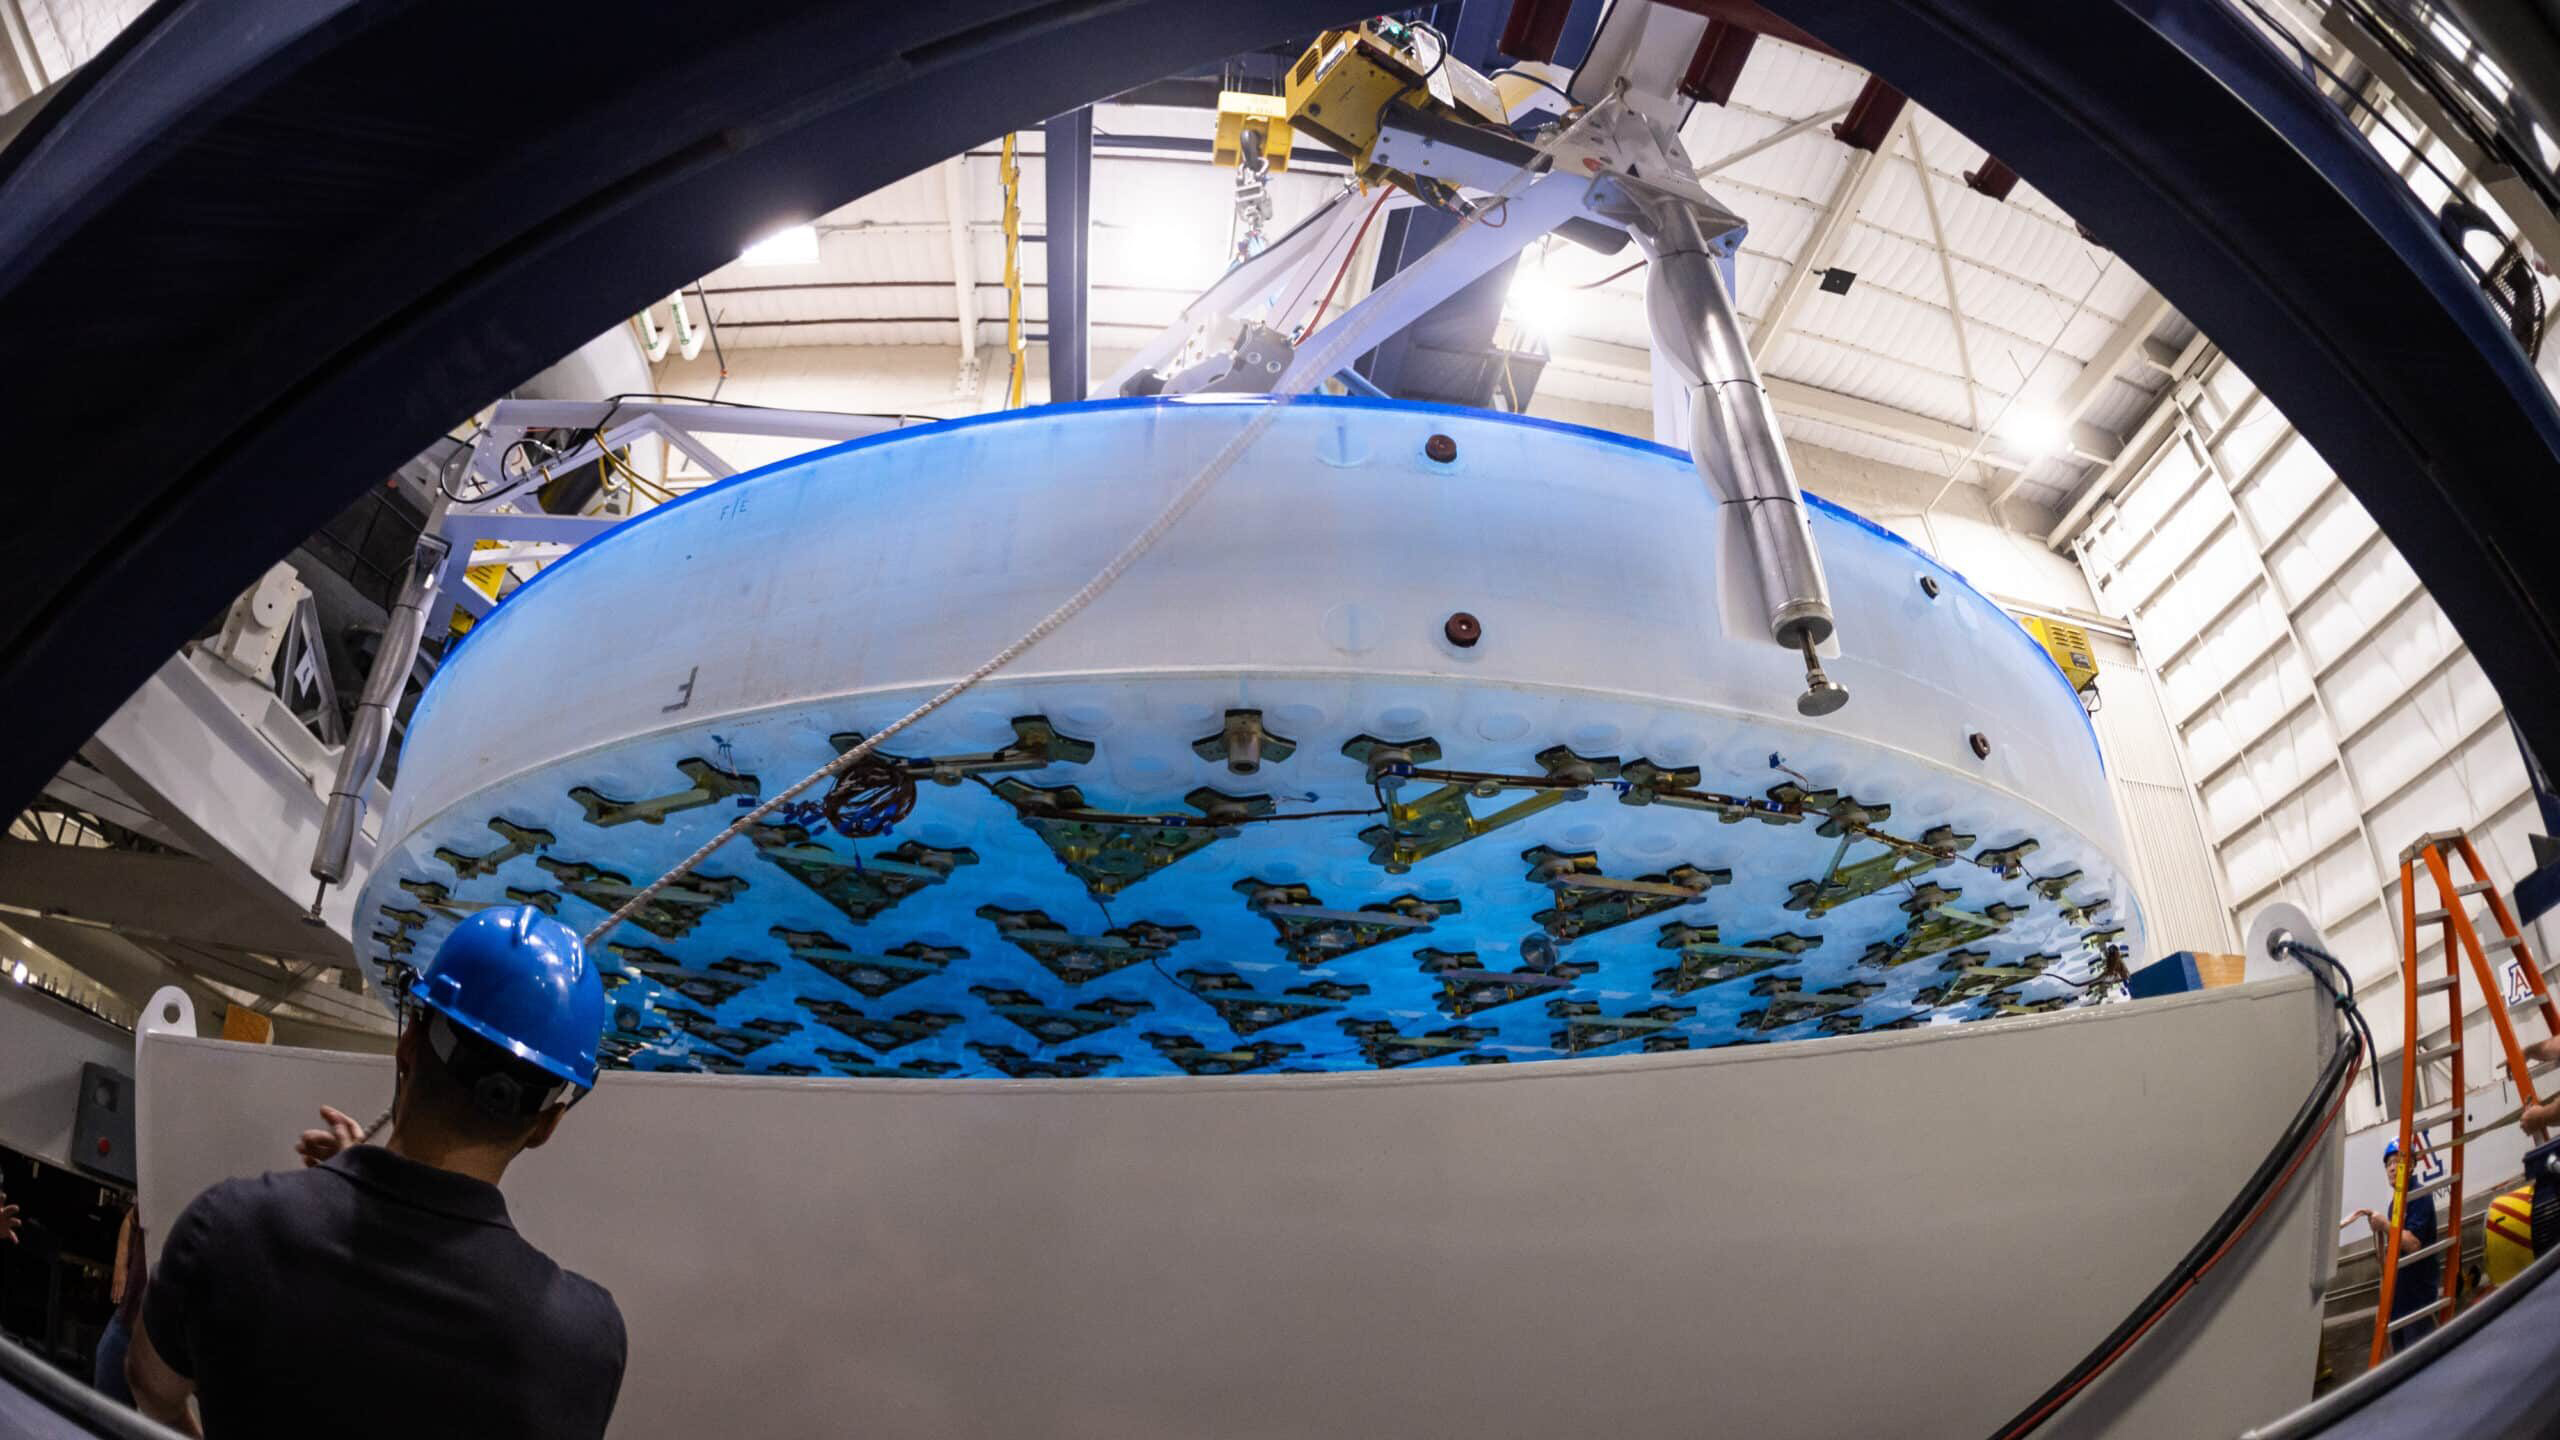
223	762
1452	265
1847	198
529	536
216	763
1928	184
964	270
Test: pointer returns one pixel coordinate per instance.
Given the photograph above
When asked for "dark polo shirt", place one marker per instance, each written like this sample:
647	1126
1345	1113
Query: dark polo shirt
380	1297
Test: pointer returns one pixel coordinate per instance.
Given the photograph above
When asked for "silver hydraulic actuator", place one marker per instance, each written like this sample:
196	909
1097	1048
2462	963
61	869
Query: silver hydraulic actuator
370	735
1734	438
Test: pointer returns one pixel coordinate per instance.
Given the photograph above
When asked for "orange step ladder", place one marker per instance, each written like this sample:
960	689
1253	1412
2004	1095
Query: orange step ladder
2420	1109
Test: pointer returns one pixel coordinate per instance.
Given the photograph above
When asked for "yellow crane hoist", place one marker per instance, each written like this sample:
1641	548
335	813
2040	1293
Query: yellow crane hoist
1341	90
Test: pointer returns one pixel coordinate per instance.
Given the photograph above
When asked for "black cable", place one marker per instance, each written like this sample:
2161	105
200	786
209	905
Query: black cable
1423	84
446	470
1178	985
2343	996
695	400
1561	92
900	415
2309	1122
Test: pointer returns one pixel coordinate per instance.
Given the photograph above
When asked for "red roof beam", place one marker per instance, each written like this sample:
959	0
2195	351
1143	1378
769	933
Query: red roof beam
1994	179
1871	116
1722	52
1750	16
1535	28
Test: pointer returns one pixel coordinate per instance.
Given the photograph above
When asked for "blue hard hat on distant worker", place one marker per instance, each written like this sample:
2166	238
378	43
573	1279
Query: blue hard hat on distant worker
519	979
2391	1150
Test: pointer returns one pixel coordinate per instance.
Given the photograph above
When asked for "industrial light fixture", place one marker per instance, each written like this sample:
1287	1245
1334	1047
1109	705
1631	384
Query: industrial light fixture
1535	302
1167	254
797	245
18	972
2035	430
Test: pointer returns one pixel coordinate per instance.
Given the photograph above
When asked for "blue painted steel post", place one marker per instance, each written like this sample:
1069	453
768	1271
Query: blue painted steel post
1579	28
1069	169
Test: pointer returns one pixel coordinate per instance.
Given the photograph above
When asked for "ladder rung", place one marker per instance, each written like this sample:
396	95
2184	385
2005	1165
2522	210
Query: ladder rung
2439	984
2503	942
2431	1056
2414	1316
2351	1318
2434	1118
2529	1002
2427	841
2423	1251
2432	1186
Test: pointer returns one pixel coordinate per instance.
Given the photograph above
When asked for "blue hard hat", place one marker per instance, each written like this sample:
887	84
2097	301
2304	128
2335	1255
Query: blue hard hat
2391	1150
519	979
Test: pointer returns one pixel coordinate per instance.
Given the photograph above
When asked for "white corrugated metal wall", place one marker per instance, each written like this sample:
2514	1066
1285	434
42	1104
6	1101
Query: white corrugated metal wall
44	40
2182	901
2325	710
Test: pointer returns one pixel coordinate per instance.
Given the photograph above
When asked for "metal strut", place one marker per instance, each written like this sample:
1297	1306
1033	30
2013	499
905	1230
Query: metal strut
370	735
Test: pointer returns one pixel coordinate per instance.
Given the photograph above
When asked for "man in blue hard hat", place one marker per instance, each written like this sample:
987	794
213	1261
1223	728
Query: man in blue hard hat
384	1292
2420	1288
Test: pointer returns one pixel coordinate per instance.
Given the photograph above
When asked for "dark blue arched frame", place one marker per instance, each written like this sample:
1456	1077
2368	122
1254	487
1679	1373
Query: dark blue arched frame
254	256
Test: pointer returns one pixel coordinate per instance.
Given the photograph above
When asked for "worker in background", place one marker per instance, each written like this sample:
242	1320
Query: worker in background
384	1293
2539	1116
124	1286
2421	1284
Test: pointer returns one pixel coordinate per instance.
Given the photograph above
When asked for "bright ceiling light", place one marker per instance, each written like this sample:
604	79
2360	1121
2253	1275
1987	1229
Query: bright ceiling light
795	246
1535	302
2035	430
18	972
1166	254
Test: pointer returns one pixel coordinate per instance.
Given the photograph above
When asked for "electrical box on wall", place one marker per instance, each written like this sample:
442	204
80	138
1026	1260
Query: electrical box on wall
2069	647
102	1130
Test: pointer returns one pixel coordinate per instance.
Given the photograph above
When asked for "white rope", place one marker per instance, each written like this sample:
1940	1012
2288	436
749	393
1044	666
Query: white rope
1329	357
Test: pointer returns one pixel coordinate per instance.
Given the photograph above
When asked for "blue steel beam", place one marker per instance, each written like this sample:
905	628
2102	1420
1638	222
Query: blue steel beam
1579	27
252	269
1069	172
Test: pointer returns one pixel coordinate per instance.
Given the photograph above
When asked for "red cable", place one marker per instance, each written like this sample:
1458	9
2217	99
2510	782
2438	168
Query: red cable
2282	1181
1356	237
1612	275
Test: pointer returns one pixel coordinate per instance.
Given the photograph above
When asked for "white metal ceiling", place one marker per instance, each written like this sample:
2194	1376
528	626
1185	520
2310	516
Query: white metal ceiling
2020	269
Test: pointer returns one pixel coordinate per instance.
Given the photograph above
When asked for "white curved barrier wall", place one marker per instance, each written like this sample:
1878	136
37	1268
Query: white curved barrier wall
1903	1234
